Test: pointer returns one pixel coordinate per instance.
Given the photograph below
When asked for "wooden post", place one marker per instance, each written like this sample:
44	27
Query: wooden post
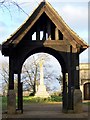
56	34
77	96
69	58
11	75
38	32
49	29
76	71
64	94
44	32
20	96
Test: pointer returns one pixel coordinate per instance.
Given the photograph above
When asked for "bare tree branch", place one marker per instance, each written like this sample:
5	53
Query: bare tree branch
31	74
18	6
7	3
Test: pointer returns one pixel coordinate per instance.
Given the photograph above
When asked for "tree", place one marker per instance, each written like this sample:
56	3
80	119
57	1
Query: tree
60	80
5	4
4	76
4	72
31	74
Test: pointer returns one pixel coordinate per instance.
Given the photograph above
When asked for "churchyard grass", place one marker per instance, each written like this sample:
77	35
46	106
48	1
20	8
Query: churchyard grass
29	100
4	102
87	103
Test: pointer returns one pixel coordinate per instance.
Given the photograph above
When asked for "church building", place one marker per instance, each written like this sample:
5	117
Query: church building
85	80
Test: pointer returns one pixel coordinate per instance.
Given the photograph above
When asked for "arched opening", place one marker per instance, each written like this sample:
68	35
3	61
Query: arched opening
51	70
60	71
58	55
52	77
87	91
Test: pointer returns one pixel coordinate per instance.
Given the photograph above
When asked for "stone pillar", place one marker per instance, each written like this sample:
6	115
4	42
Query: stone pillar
11	102
77	101
56	34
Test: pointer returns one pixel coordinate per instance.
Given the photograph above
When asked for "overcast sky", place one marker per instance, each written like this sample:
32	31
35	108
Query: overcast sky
75	15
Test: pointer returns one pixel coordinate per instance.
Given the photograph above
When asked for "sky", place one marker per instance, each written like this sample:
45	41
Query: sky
75	14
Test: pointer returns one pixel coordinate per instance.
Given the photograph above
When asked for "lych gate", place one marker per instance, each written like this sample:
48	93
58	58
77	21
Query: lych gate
58	40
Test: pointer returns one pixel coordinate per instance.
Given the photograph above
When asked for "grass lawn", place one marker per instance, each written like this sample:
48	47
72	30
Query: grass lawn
4	103
29	100
87	103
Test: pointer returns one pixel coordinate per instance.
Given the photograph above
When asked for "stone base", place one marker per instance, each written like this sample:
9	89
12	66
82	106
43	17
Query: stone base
42	93
11	102
19	111
78	101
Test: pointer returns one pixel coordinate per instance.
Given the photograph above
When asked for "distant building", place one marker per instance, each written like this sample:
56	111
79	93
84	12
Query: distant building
85	80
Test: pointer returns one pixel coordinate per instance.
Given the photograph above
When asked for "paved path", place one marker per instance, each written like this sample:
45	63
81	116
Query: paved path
47	111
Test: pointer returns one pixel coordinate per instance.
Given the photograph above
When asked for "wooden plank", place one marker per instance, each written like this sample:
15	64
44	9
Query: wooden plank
11	75
54	19
19	38
54	42
60	26
70	38
76	37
